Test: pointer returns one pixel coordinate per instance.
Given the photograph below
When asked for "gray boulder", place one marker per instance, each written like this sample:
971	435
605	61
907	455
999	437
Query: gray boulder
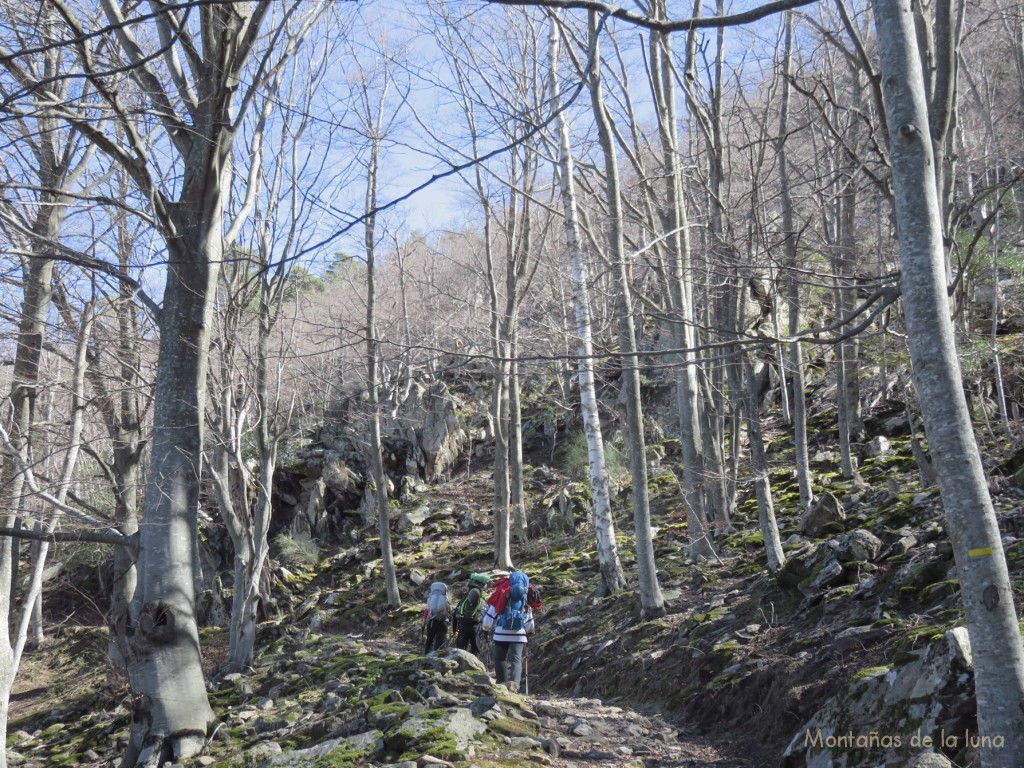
431	421
465	661
879	446
420	732
858	545
930	760
825	509
351	747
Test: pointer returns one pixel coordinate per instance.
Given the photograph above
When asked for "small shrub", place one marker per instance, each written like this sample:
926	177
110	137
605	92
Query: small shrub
297	550
577	460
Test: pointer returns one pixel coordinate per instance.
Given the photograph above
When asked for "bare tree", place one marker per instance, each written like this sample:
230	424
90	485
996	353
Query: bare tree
12	644
377	117
985	586
186	63
253	405
612	578
496	94
652	603
790	249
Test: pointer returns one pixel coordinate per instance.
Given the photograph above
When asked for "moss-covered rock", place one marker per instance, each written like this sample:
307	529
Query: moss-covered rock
871	720
336	753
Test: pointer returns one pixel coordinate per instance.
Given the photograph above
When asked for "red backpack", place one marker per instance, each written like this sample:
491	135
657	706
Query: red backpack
500	595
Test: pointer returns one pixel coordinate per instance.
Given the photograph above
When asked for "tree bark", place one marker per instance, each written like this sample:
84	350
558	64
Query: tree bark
688	397
760	469
652	603
790	242
985	586
171	712
612	578
373	370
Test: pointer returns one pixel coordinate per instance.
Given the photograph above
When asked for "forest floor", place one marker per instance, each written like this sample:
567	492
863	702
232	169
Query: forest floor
737	665
68	698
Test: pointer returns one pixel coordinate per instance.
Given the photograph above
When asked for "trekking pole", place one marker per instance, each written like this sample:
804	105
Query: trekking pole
526	670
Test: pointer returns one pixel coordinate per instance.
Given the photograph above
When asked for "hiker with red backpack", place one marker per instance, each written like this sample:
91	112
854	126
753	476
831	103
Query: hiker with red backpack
509	615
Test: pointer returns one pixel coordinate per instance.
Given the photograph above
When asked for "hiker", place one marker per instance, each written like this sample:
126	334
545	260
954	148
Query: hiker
435	617
511	619
467	613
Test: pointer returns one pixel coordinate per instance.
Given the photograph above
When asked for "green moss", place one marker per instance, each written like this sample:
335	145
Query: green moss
902	658
433	714
941	589
870	672
726	647
342	757
713	615
840	592
1015	552
510	726
437	741
832	528
919	636
743	539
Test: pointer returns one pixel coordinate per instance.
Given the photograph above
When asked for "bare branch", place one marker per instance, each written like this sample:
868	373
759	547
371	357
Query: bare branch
109	536
640	20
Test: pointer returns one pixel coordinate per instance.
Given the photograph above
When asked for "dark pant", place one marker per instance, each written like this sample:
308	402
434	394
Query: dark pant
436	631
512	653
467	635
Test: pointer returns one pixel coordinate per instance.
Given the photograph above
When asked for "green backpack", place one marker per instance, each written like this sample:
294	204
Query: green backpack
470	605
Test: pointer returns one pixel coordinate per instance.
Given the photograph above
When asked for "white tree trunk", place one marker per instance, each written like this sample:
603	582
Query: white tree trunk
652	603
517	485
759	468
502	495
373	366
612	578
12	647
985	587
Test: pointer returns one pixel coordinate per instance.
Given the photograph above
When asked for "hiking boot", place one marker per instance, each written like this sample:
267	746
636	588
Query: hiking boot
513	686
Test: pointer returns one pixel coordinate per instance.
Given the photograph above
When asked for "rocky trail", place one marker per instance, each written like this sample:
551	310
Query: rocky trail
576	732
587	732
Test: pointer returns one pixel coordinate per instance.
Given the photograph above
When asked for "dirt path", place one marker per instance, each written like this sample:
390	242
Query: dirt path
587	732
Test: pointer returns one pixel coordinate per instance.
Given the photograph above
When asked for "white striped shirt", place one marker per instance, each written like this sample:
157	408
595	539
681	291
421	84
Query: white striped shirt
490	621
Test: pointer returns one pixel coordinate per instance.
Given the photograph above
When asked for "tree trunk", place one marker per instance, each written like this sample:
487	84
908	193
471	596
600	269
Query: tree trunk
373	382
123	412
25	380
12	647
251	547
170	711
847	350
789	233
652	604
985	586
502	495
688	398
759	468
612	578
517	487
721	401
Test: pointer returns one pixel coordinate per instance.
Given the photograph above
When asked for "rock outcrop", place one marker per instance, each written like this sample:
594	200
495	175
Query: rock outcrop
895	715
